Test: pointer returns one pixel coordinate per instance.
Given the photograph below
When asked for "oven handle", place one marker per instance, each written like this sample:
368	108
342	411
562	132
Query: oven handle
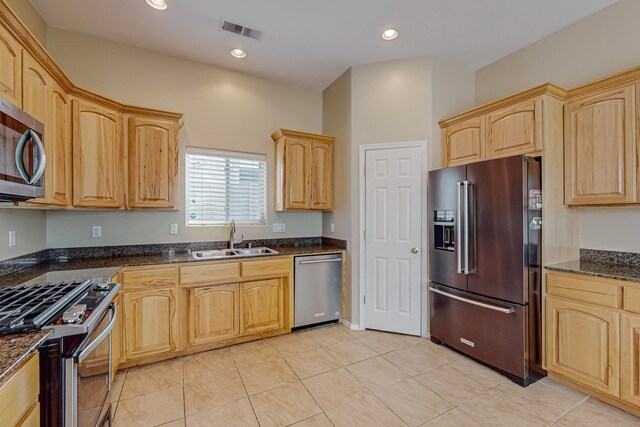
42	162
509	310
80	356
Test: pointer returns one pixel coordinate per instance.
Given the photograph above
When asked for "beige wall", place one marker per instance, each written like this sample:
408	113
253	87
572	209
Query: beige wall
29	225
597	46
30	17
223	109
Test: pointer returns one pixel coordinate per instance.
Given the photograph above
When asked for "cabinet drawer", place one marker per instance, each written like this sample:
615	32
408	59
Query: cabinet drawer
156	278
266	268
210	274
632	298
587	289
19	394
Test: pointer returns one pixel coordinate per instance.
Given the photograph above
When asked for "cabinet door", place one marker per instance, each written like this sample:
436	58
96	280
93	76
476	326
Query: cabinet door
153	163
630	370
600	149
515	130
261	306
58	142
297	174
321	176
463	142
10	68
35	89
150	322
97	156
214	314
583	344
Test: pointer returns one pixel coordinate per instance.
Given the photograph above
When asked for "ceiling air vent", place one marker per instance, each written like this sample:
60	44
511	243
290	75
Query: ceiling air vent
241	30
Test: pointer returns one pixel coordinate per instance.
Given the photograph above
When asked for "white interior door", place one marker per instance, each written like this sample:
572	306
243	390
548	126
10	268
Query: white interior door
393	239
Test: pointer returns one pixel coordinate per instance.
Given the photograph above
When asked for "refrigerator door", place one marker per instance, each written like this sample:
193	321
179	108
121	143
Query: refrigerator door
498	220
445	254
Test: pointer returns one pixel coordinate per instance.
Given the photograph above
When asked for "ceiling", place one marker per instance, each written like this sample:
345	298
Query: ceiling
312	42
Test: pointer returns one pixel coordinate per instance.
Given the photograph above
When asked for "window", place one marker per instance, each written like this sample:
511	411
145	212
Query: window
222	186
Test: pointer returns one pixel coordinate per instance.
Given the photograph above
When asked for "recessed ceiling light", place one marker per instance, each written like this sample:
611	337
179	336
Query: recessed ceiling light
157	4
238	53
389	34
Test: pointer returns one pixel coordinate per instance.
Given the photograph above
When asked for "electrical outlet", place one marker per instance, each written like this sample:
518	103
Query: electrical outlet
96	231
279	228
12	238
333	228
174	229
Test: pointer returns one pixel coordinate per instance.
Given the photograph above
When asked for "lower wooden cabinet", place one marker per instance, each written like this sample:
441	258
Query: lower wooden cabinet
19	396
261	306
214	314
150	322
630	333
582	344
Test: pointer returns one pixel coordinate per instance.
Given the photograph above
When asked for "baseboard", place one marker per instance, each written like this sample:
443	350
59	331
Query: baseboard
352	326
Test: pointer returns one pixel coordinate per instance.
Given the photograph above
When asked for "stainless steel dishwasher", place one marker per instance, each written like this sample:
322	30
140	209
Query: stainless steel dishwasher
317	289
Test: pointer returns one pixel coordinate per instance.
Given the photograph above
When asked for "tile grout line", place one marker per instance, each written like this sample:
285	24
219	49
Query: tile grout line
570	409
246	391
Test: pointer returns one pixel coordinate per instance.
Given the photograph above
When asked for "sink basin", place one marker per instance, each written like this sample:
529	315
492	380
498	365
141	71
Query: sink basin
231	253
255	251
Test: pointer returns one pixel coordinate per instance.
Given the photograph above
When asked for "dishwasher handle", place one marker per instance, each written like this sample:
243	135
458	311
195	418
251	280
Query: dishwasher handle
318	261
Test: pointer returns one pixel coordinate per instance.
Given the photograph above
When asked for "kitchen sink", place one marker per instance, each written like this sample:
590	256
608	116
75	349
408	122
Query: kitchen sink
232	253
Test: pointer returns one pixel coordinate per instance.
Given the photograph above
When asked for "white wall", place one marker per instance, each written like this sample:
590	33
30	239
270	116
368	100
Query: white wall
223	109
602	44
29	225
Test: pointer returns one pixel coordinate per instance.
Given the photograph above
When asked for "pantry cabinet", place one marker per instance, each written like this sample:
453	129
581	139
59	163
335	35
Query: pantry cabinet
304	171
213	313
98	157
601	145
153	163
10	67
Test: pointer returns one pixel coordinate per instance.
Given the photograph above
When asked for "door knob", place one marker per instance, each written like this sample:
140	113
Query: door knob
414	250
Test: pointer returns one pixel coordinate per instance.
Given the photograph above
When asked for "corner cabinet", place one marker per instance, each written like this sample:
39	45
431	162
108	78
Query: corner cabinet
304	171
153	163
601	145
98	156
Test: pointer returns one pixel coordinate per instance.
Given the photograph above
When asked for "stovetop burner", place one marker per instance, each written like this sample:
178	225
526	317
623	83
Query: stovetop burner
29	308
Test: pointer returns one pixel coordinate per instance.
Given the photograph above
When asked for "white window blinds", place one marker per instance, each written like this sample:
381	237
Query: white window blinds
222	186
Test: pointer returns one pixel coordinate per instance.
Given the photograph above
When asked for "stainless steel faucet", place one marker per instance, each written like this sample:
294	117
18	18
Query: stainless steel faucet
232	235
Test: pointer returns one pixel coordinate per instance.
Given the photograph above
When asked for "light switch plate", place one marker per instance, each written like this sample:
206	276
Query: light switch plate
96	231
12	238
279	228
174	229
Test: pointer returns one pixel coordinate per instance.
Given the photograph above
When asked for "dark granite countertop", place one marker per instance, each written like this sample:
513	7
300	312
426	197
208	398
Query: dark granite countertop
16	349
87	268
599	269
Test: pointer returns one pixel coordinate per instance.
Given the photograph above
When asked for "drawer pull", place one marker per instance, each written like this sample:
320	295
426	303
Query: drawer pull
509	310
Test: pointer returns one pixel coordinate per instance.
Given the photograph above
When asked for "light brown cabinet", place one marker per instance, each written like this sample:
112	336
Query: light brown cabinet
214	313
58	178
601	148
36	87
19	395
98	159
261	306
463	142
515	130
150	320
10	68
582	344
153	163
630	360
304	171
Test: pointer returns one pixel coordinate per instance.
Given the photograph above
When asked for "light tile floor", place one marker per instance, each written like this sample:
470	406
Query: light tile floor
331	376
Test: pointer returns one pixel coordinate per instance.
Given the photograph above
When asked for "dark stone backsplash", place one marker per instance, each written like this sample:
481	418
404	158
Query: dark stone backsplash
629	259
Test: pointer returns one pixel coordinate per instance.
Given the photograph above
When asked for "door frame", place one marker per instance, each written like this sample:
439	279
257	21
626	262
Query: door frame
422	144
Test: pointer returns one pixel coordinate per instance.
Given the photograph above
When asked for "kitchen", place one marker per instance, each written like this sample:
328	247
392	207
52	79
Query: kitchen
191	344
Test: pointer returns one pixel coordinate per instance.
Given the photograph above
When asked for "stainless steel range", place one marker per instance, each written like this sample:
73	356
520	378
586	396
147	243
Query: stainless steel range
75	361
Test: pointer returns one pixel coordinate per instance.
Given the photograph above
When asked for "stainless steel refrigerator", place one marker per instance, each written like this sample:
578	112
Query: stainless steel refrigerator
484	263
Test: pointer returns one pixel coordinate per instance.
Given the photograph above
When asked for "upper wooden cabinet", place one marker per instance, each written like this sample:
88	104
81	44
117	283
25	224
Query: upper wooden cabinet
601	148
463	142
57	181
304	171
98	160
10	68
515	130
518	124
153	163
36	89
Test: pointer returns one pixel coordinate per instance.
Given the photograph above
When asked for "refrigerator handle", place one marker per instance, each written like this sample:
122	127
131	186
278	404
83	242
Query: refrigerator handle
469	204
458	242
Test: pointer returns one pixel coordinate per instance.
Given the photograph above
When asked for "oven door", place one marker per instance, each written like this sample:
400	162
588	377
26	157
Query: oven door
22	155
88	386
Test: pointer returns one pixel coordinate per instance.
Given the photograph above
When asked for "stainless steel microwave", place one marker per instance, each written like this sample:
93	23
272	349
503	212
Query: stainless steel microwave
22	156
